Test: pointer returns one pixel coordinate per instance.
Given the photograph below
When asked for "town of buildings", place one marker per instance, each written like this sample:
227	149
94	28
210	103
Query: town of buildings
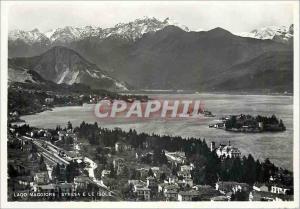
150	183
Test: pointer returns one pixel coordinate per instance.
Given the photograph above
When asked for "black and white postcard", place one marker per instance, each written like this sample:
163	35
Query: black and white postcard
135	104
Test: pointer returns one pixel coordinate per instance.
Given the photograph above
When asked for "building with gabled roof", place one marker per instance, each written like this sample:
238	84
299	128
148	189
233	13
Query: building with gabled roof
188	195
260	187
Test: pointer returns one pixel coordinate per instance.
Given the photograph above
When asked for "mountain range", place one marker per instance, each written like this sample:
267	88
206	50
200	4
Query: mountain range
31	43
152	54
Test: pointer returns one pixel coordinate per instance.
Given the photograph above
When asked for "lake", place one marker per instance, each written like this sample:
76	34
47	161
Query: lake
278	147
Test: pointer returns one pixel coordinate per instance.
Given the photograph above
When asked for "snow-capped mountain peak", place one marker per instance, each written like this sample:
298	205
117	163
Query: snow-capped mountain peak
49	33
277	33
135	29
27	36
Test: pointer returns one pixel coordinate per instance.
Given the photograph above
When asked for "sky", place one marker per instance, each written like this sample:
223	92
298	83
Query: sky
196	15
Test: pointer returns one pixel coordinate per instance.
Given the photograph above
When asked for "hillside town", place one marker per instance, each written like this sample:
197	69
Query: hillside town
95	164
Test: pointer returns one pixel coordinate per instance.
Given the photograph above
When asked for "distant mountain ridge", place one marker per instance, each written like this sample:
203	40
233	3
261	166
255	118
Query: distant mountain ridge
62	65
283	34
174	59
153	54
129	31
270	72
31	43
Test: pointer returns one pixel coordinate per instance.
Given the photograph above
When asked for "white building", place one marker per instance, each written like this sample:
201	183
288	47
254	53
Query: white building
230	186
184	174
186	168
142	192
105	173
280	189
49	100
225	151
140	189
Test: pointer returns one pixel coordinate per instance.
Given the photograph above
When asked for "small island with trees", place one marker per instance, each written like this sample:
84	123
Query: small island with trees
250	124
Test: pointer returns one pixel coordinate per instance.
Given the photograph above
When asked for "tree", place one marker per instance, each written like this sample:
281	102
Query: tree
68	140
240	196
134	174
33	149
236	170
231	123
250	170
163	177
98	172
198	176
69	126
42	164
150	172
72	170
125	172
174	170
12	172
159	157
58	128
112	171
56	172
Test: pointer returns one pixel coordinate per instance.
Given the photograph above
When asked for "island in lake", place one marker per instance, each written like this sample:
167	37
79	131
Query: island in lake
250	124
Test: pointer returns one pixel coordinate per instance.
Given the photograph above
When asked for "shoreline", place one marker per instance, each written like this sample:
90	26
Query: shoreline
161	91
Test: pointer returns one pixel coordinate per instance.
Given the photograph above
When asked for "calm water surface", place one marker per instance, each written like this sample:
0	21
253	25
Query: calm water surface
276	146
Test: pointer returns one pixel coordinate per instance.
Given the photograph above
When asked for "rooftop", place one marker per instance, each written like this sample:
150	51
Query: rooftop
171	192
47	187
231	183
65	185
190	192
219	198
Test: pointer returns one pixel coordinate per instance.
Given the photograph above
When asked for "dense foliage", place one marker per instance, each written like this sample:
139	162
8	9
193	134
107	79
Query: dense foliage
259	122
208	167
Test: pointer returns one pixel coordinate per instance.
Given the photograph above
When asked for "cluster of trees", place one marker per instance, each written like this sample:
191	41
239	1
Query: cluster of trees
27	98
267	120
208	167
28	102
107	137
244	169
157	158
25	102
269	123
13	172
91	132
67	173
